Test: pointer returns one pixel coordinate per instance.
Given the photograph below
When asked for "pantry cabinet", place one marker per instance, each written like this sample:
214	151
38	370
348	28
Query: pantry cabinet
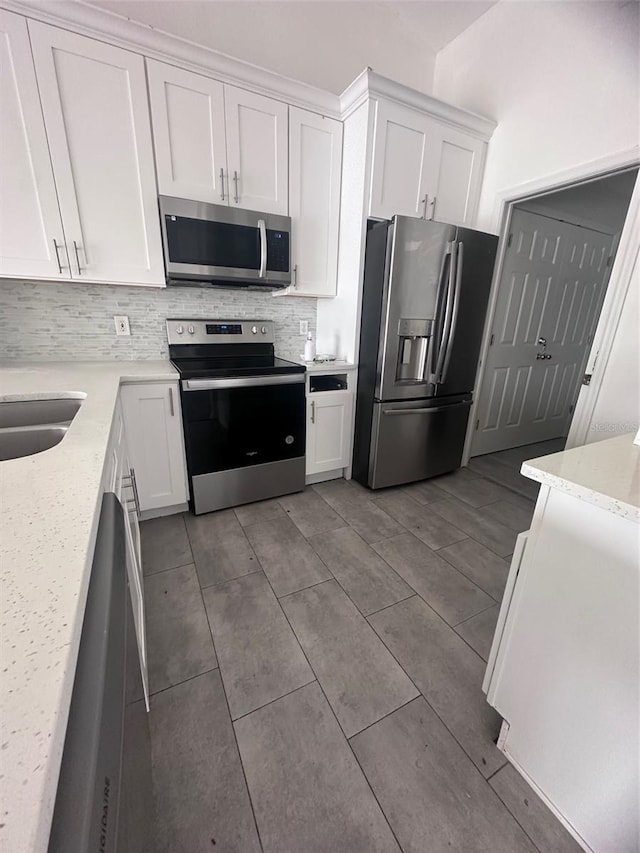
187	111
153	423
423	167
94	101
217	143
315	166
31	235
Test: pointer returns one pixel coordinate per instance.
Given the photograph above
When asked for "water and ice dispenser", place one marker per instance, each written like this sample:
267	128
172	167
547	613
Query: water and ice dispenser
413	350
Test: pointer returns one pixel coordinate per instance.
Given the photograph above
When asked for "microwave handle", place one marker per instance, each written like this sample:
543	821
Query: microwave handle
263	247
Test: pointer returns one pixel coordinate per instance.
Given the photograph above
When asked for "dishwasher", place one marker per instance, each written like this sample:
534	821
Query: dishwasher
103	801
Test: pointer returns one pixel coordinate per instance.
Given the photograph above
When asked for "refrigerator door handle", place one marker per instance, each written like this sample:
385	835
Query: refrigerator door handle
454	312
448	315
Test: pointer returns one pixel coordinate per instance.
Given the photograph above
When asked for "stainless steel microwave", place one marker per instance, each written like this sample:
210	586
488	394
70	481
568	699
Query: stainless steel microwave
211	244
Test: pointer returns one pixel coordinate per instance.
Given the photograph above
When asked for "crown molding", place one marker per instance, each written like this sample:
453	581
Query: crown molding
370	84
157	44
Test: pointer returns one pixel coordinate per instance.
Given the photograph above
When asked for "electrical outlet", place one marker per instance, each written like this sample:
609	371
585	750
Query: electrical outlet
122	325
304	327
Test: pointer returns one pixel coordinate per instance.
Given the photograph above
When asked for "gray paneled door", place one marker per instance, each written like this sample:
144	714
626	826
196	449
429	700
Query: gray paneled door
552	287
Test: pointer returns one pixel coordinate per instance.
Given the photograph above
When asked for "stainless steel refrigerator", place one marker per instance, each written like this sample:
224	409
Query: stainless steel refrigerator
426	288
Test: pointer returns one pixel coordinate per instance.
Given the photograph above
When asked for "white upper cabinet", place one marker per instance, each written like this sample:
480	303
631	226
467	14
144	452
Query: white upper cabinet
30	223
189	133
257	149
405	141
315	164
96	114
423	167
460	159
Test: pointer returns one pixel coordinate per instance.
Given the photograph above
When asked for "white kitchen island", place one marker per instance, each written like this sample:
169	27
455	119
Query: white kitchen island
564	666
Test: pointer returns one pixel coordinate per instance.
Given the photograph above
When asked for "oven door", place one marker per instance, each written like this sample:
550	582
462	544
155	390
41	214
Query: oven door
214	243
234	423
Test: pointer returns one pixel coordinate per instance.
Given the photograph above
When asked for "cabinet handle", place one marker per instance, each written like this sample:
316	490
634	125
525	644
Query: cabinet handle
424	209
56	247
222	184
433	207
136	497
235	184
171	409
75	246
313	411
295	276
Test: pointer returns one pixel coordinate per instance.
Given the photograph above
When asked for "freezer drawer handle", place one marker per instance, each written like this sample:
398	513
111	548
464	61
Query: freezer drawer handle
425	411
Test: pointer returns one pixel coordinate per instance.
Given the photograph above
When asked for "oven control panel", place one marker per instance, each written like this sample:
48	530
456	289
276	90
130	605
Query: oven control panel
197	331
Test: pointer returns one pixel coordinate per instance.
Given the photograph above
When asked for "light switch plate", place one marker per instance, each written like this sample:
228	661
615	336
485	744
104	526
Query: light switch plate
122	325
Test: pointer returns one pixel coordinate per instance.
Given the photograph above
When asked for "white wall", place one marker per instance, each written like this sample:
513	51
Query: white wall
617	408
560	78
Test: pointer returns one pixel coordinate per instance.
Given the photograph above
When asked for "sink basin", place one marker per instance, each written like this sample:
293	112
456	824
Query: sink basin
25	441
31	426
35	412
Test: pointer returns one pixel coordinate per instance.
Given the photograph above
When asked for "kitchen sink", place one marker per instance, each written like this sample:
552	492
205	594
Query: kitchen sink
23	413
25	441
31	426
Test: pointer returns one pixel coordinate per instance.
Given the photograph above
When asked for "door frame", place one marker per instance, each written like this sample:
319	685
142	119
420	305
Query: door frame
619	280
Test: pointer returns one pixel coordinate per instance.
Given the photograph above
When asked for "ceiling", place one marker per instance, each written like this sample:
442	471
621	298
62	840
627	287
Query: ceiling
325	43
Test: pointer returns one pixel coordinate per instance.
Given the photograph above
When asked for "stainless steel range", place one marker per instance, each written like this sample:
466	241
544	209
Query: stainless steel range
243	410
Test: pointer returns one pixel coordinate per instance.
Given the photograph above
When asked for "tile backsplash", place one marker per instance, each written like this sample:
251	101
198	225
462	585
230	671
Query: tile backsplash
43	320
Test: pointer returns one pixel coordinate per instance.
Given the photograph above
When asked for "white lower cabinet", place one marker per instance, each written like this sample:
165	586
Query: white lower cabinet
329	425
153	423
119	478
563	669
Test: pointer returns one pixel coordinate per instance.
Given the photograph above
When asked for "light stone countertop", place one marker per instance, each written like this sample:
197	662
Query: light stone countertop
605	474
50	506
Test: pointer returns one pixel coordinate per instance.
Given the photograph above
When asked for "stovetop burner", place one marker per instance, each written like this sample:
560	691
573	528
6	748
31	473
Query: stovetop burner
225	348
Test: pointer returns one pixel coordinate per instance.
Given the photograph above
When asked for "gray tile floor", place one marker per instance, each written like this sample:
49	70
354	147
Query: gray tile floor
503	467
316	665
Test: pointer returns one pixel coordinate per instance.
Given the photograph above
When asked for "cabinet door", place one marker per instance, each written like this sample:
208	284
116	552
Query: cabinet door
257	143
403	170
188	131
30	223
136	590
460	159
94	100
315	162
155	440
329	417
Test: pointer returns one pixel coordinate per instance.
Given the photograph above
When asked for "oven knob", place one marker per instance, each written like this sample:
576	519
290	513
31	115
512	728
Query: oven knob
179	330
254	330
264	330
191	330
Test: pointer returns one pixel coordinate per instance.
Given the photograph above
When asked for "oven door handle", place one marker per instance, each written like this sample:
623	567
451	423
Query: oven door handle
262	227
241	382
